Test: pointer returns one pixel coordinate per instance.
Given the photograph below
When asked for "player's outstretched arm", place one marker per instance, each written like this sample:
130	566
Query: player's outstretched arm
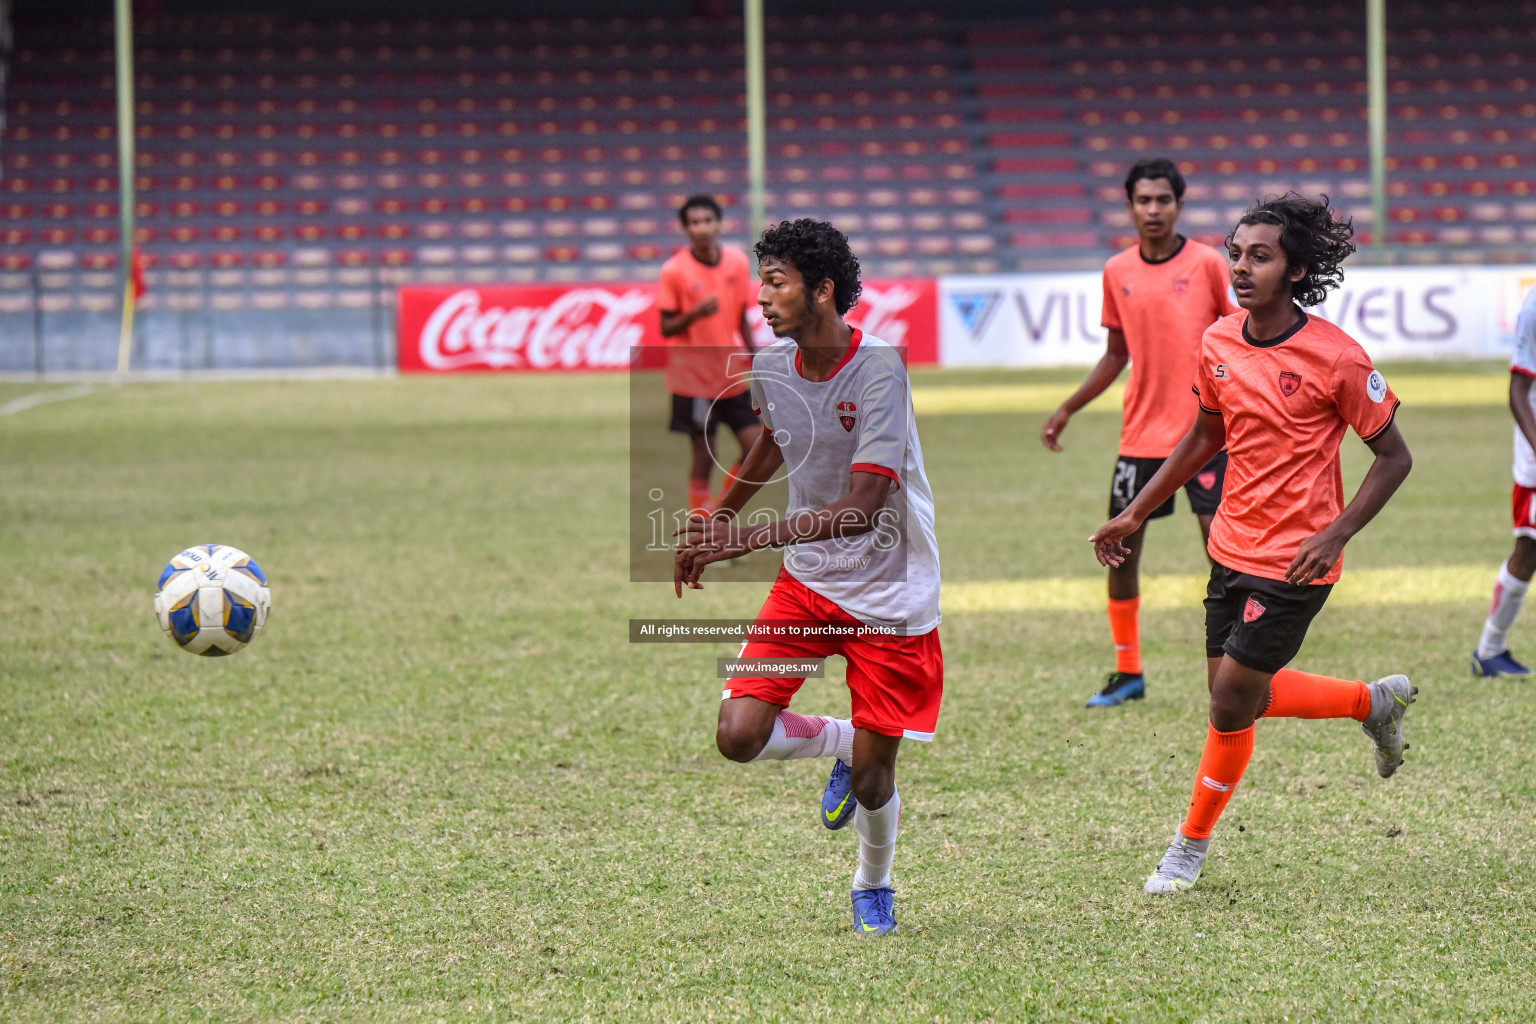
717	538
1203	441
714	540
673	324
854	514
1103	374
762	461
1320	552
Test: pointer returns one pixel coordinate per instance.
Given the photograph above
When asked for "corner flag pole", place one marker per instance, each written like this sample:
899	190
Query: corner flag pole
1376	88
125	169
756	119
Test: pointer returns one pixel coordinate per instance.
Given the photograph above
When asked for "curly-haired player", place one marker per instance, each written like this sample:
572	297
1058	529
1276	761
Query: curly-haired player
1278	388
861	565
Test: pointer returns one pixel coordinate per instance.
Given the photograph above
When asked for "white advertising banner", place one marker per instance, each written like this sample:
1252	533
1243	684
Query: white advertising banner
1397	313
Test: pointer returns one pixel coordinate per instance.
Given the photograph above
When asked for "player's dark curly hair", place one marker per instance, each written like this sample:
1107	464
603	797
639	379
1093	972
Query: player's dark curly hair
1311	237
820	252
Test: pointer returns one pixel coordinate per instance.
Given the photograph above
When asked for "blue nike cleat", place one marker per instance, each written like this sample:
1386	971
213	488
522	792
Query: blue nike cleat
1501	664
1120	687
872	911
837	802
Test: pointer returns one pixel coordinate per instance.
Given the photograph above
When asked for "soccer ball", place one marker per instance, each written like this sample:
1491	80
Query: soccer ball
212	599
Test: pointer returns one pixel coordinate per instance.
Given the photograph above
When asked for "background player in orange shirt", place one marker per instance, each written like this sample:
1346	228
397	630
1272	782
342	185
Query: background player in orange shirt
1278	388
1159	297
704	294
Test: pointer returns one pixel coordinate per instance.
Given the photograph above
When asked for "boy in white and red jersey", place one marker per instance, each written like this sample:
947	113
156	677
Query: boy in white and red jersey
1159	297
861	565
1278	388
1492	657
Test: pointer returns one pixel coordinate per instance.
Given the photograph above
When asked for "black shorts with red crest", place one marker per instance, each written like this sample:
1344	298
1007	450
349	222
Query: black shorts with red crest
1259	622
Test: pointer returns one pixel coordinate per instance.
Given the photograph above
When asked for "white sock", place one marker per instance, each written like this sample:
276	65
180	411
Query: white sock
877	843
1508	596
795	736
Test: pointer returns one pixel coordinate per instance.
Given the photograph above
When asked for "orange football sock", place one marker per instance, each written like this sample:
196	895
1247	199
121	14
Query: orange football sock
1123	627
1221	768
1295	694
698	495
730	478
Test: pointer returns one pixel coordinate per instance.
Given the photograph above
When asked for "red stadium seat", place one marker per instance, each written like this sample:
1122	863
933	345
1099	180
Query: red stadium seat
1068	215
1044	190
1055	239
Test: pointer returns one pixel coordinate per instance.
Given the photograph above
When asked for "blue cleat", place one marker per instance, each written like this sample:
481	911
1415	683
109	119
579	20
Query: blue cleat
1119	688
837	802
1501	664
872	911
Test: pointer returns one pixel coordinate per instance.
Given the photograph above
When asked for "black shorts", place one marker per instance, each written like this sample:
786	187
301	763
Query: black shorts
699	416
1259	622
1133	473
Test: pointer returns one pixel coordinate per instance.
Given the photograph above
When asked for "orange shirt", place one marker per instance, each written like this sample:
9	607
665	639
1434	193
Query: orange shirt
1285	404
1163	308
699	364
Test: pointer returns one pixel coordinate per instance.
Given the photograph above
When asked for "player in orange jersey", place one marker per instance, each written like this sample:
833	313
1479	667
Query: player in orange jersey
1159	296
704	294
1277	388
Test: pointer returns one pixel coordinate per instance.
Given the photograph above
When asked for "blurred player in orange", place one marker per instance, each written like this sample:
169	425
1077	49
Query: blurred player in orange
1159	297
1277	388
704	294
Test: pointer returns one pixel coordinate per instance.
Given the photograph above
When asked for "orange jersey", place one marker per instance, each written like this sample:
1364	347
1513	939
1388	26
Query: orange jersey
699	364
1285	404
1162	308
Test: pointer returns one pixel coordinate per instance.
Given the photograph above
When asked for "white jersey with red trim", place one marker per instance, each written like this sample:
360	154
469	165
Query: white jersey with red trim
858	420
1523	361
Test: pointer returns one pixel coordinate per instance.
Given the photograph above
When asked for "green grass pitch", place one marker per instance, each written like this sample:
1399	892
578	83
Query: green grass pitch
442	786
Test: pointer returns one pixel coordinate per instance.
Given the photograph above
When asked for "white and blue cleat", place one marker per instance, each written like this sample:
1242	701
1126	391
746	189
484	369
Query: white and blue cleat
837	802
1501	664
873	911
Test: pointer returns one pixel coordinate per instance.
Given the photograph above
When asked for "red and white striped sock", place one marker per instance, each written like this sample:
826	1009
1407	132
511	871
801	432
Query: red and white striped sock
795	736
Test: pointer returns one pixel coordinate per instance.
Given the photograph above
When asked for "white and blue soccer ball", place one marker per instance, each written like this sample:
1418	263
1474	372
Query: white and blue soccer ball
212	599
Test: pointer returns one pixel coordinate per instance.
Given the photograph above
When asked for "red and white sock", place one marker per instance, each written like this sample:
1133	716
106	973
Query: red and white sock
877	843
796	736
1508	596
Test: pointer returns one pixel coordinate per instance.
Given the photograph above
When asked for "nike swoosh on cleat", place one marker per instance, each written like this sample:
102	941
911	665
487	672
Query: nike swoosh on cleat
833	814
868	927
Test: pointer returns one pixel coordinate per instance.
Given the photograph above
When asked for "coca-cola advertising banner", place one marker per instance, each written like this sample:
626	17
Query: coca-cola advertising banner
522	328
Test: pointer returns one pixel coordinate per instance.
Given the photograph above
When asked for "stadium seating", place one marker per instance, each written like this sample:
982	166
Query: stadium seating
285	163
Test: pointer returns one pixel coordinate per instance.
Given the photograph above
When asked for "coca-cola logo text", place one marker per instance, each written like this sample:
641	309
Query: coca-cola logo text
547	327
583	328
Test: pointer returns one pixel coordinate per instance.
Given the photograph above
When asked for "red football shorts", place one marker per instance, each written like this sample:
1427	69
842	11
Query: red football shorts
896	681
1525	511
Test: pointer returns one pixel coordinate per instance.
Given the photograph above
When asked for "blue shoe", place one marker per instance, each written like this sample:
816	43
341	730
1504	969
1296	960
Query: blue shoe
1501	664
872	911
837	802
1120	687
